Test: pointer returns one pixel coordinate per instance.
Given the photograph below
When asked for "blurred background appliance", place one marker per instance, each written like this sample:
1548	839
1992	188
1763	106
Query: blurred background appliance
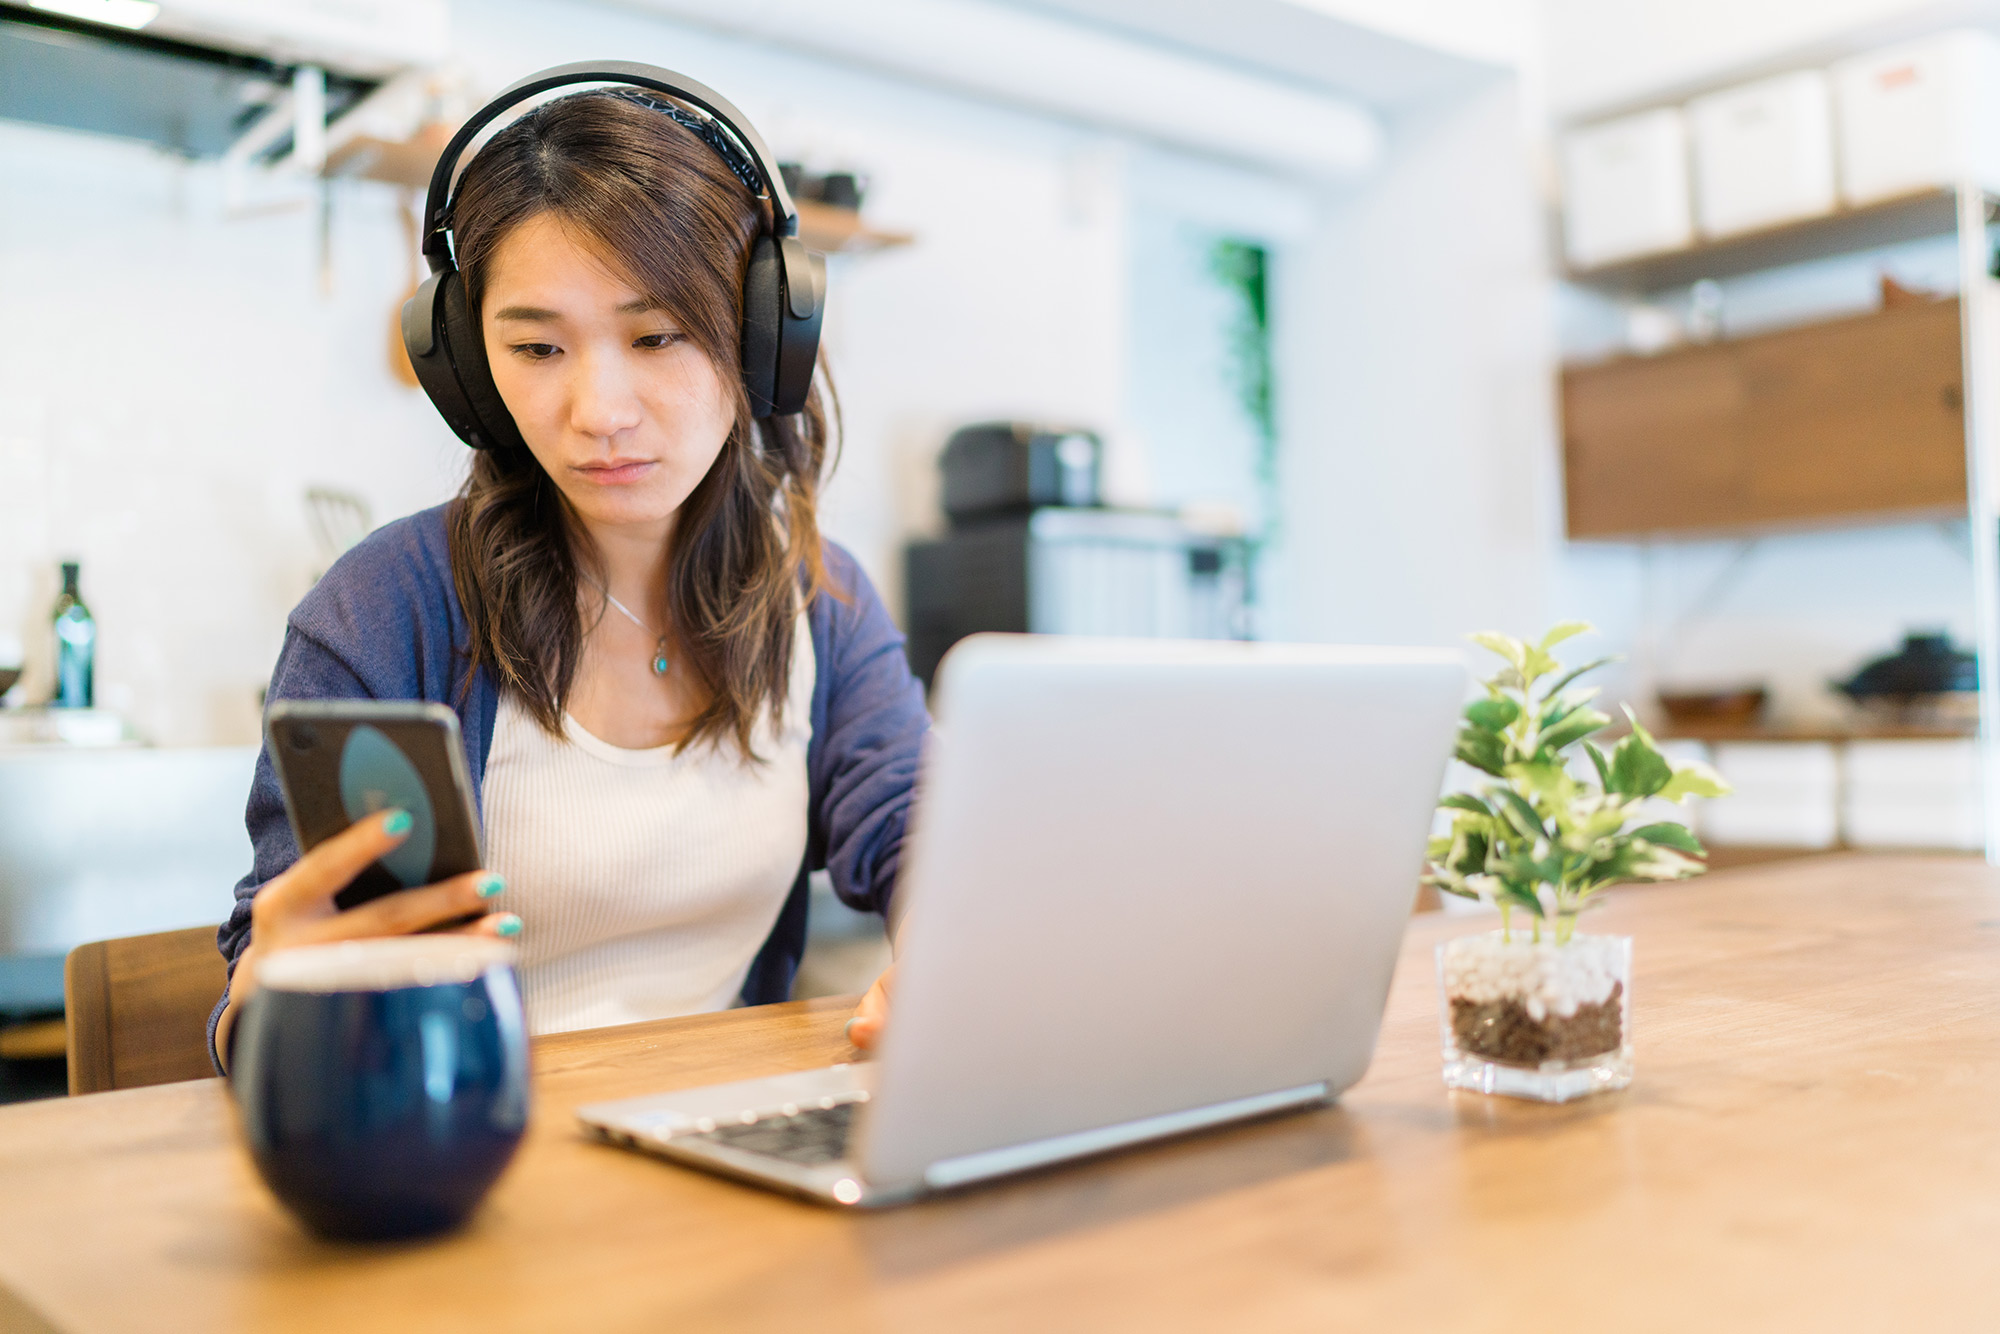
1927	680
1032	551
1003	468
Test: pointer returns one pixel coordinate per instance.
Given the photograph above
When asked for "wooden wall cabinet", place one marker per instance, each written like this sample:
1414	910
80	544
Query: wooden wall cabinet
1854	420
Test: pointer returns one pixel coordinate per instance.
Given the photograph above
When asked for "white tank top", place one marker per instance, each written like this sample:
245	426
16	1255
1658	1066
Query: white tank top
646	881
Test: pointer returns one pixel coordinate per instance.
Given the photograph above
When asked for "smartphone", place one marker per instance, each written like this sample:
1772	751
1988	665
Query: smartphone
341	760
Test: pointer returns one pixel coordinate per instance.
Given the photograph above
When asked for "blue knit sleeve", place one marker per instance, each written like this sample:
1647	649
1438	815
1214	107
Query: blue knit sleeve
869	738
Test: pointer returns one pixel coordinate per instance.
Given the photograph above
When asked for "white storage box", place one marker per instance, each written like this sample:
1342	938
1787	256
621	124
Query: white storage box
1942	823
1913	794
1919	116
1625	188
1787	796
1895	766
1763	153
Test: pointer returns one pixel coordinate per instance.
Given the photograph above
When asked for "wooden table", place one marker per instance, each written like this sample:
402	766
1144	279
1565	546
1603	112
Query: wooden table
1812	1143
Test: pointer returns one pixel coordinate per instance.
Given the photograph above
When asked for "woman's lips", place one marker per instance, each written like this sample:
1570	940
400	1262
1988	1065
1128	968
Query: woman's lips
616	473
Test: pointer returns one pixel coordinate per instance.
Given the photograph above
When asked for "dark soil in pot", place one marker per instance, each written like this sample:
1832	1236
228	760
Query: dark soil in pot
1504	1030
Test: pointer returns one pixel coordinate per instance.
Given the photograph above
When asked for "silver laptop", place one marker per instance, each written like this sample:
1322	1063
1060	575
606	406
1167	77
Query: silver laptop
1150	886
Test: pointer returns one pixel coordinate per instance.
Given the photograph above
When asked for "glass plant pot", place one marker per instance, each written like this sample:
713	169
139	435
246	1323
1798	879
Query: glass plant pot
1543	1021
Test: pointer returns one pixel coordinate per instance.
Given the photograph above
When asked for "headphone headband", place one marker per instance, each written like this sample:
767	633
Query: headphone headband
784	213
783	291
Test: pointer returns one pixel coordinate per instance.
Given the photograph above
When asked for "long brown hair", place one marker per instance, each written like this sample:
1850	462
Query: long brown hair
664	207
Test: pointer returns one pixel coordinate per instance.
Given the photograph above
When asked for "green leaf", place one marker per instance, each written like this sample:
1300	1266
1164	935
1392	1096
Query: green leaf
1600	824
1657	863
1670	835
1695	780
1520	814
1564	681
1492	714
1557	706
1521	896
1638	770
1508	647
1464	801
1573	729
1639	728
1546	779
1564	630
1597	760
1482	750
1471	860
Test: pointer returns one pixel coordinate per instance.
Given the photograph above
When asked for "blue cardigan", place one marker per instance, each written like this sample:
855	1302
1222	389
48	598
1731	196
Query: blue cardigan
385	623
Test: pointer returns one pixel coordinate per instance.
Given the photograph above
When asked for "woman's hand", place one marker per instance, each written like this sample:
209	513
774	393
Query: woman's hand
296	908
864	1030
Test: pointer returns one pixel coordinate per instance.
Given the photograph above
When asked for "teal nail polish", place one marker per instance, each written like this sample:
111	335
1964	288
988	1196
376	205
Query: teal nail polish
508	925
490	884
399	822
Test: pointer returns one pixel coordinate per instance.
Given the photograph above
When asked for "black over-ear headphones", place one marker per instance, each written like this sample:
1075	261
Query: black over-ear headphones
784	291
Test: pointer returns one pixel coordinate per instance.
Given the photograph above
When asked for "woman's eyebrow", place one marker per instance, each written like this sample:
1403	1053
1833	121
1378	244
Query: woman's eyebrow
636	306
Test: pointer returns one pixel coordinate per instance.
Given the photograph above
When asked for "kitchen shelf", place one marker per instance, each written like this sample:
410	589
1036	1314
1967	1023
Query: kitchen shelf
1912	217
1824	733
841	231
409	163
405	162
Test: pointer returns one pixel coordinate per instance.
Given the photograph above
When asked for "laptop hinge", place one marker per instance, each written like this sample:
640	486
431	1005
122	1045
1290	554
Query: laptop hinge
949	1172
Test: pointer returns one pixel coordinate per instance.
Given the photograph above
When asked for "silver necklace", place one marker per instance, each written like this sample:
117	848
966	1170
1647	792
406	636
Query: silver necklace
660	663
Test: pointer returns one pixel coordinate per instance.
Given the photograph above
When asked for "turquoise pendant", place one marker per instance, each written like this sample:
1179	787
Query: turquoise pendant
660	663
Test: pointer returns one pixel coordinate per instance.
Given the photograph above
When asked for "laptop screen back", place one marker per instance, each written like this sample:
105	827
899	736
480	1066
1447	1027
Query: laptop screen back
1148	876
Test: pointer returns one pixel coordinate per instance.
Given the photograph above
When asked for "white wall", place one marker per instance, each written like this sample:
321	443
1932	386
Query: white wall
178	378
1417	405
176	382
1499	32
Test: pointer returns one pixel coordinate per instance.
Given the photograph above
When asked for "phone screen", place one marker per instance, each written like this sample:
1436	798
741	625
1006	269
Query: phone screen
339	761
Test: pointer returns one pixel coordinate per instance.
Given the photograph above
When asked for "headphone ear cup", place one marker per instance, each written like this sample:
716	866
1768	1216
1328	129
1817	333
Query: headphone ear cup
448	353
763	320
798	326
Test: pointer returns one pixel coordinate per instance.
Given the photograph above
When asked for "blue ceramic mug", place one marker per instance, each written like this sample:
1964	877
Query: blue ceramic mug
384	1083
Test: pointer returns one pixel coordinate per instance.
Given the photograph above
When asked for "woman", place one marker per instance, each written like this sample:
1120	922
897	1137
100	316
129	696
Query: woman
676	697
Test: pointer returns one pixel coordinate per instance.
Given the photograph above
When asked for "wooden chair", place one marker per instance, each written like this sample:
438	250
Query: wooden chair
136	1009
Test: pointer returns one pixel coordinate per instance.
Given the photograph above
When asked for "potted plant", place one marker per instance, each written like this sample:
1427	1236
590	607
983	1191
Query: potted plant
1536	1009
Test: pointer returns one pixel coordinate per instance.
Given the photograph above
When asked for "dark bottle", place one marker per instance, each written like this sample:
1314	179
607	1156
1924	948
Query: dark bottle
76	645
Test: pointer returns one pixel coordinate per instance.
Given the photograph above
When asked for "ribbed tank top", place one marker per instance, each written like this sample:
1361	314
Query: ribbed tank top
646	881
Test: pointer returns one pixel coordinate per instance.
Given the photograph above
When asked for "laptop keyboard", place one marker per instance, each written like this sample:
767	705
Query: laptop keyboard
812	1136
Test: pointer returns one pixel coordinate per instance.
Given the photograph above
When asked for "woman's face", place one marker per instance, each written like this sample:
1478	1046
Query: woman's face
623	411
